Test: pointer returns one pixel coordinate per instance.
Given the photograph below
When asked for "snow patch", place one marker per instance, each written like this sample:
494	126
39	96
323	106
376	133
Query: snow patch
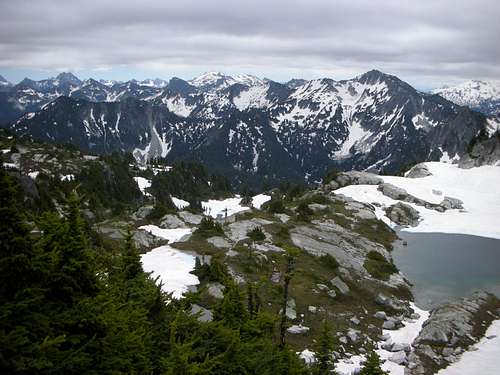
476	187
172	267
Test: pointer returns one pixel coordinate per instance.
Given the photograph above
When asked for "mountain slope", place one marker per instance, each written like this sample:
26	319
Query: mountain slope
479	95
255	130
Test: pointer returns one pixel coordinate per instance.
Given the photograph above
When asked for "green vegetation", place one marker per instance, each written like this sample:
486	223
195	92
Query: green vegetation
304	213
372	365
276	206
70	307
108	184
331	175
256	234
209	228
329	261
378	266
189	181
323	349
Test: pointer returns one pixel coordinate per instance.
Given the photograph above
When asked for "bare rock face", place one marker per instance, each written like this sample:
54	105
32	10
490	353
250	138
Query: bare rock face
326	237
190	218
483	152
418	171
450	328
144	240
171	222
403	214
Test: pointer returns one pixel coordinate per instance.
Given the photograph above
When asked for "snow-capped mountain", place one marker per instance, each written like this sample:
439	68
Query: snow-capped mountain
254	129
479	95
4	82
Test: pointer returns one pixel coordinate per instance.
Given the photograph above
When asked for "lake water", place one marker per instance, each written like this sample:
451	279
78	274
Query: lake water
448	266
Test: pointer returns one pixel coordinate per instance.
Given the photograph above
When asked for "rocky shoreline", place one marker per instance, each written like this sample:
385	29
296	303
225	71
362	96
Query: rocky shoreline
450	330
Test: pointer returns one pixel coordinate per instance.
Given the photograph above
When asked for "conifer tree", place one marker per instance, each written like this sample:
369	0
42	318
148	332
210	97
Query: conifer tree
323	350
291	254
372	365
231	310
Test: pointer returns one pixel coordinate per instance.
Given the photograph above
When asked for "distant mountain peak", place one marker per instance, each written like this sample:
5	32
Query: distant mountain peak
477	94
68	77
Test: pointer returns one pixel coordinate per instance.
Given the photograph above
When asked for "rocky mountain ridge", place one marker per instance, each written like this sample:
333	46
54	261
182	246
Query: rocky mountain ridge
252	129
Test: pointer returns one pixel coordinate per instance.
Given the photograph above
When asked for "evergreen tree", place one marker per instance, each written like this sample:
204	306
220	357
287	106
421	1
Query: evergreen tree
372	365
291	254
323	350
131	260
231	310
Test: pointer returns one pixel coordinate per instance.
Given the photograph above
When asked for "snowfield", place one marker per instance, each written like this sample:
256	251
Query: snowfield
231	206
143	184
172	267
172	235
478	188
483	359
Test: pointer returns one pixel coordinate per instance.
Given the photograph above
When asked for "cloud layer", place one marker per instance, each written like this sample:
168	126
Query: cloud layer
426	41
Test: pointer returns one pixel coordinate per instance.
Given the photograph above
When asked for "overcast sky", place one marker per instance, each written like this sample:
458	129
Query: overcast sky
425	42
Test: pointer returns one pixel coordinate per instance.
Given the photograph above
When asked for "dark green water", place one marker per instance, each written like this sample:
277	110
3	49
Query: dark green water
447	266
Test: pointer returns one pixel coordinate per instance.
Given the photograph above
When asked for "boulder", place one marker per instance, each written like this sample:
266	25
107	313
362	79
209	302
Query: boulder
389	324
399	358
393	191
403	214
450	203
297	329
203	315
170	221
144	240
340	285
142	212
219	242
380	315
418	171
216	290
190	218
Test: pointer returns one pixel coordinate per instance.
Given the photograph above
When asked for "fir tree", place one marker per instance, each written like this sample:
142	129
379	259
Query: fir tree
291	254
323	350
372	365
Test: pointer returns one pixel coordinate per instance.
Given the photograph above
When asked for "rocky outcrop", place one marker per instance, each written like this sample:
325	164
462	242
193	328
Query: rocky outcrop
403	214
400	194
482	152
144	240
450	329
171	222
327	237
352	178
418	171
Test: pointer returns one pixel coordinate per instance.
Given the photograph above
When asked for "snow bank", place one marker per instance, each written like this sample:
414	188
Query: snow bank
476	187
214	207
143	184
259	200
172	267
172	235
404	335
484	359
179	203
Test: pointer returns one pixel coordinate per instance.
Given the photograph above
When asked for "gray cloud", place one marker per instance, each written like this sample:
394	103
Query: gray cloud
426	42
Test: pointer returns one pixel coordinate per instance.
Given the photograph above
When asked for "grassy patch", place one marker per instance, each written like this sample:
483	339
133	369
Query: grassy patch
376	231
378	266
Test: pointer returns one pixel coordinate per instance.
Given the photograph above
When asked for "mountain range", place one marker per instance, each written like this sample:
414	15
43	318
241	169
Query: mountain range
253	130
479	95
